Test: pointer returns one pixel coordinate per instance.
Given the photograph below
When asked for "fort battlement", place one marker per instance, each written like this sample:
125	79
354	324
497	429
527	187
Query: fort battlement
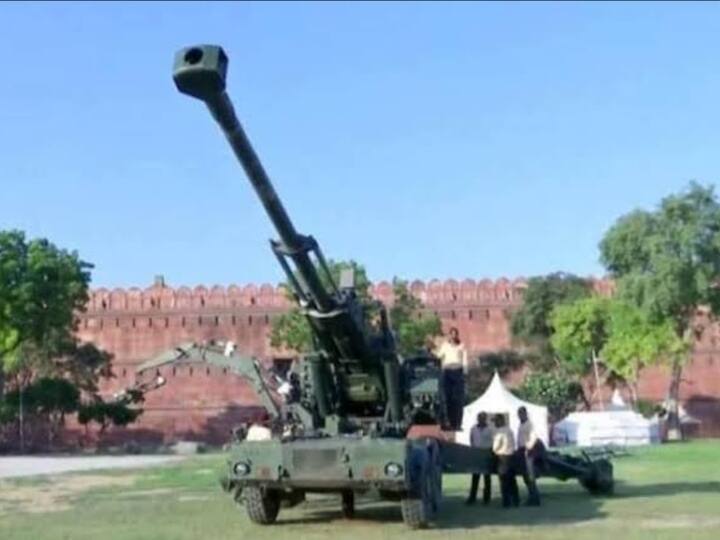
200	298
136	324
253	297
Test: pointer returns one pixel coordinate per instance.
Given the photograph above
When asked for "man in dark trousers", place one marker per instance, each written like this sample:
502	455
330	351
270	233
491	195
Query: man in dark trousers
531	451
454	363
504	449
481	436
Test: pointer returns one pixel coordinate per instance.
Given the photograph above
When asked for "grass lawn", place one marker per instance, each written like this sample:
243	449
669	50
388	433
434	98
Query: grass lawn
671	491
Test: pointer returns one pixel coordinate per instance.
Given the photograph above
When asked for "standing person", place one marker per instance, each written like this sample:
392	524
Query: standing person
530	449
504	448
481	436
453	359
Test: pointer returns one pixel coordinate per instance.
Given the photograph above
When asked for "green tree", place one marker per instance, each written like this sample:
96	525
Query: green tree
84	365
292	330
558	393
530	324
611	338
667	261
580	331
42	287
49	399
635	342
413	327
107	413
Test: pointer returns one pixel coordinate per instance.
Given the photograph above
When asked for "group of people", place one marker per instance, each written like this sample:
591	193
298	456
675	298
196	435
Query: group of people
513	455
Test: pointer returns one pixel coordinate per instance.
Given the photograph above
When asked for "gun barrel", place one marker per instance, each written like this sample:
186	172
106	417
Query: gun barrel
223	111
200	72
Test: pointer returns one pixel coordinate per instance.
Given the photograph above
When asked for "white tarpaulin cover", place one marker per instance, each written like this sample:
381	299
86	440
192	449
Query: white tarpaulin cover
497	399
622	427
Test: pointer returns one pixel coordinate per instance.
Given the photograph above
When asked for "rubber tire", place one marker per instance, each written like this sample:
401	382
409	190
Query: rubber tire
606	480
602	481
348	504
262	506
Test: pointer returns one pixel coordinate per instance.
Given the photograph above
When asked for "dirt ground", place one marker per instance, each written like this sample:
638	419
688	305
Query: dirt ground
45	491
19	466
54	494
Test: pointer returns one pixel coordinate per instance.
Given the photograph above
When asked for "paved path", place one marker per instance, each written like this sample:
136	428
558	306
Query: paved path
32	465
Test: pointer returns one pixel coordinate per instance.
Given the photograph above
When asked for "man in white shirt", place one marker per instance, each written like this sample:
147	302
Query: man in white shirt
504	448
481	436
530	448
454	363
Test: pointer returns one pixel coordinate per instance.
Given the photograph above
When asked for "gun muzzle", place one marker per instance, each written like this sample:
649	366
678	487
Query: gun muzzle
200	71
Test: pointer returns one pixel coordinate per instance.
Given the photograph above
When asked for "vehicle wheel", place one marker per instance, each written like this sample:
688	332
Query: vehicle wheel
601	482
348	504
262	505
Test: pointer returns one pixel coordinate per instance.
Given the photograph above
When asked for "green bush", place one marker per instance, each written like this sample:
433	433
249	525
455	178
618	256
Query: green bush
561	394
107	413
646	407
47	396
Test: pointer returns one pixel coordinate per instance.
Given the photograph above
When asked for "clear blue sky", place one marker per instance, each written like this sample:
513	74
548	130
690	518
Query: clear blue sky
424	140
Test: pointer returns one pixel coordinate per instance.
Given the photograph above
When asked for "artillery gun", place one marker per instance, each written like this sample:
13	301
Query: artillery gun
346	431
344	427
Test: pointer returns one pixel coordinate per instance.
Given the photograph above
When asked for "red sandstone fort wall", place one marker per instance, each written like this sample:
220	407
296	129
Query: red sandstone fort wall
137	324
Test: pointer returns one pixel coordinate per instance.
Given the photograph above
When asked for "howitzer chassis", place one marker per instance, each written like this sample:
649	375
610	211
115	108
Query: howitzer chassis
266	474
345	429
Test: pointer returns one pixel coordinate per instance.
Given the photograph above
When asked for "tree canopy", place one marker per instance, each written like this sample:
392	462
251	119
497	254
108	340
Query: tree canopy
413	328
292	330
611	337
41	289
667	261
635	341
541	296
530	324
580	331
411	325
558	393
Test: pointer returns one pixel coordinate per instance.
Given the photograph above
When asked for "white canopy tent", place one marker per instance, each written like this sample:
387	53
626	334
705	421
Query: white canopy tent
620	427
497	399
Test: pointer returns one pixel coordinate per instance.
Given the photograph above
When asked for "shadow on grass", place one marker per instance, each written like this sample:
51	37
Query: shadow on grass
627	491
560	506
377	514
563	504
